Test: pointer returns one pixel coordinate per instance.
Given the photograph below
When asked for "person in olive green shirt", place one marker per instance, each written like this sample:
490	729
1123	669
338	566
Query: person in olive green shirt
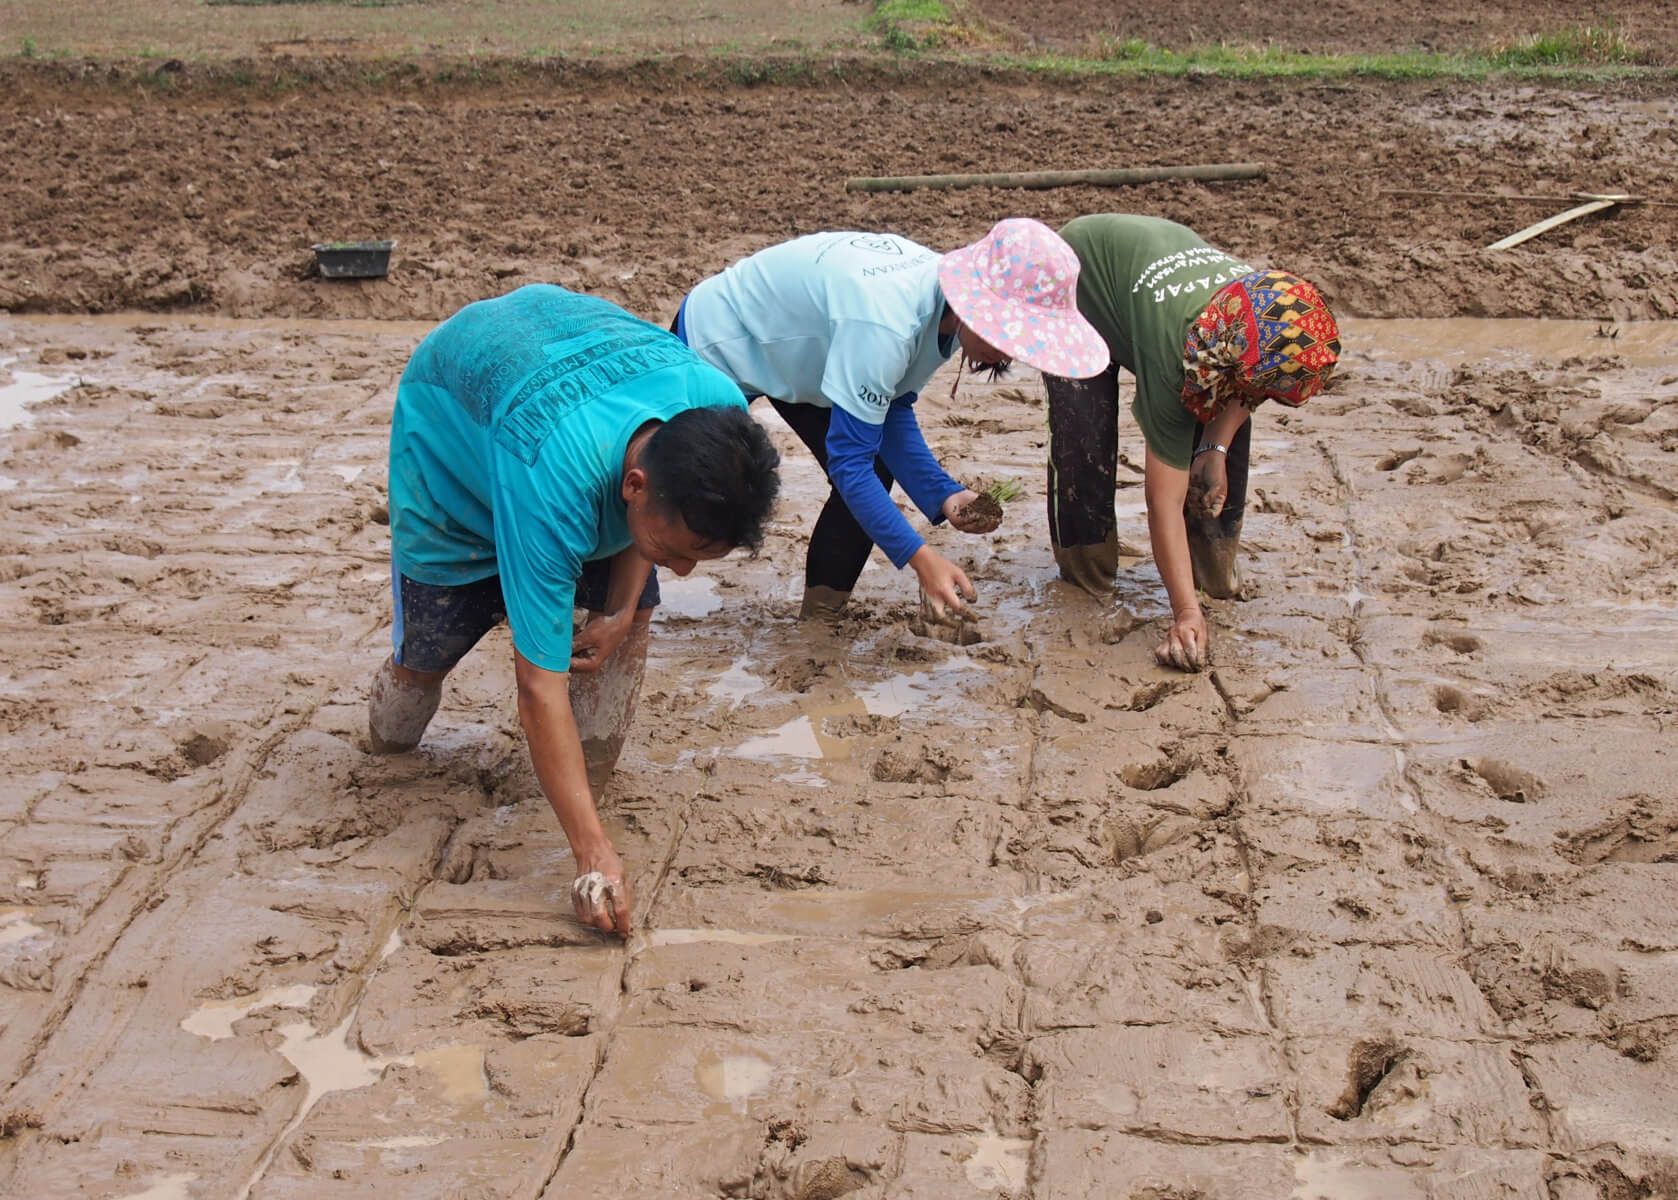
1208	339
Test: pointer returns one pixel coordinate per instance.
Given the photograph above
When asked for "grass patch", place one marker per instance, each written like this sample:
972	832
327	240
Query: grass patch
909	26
1591	46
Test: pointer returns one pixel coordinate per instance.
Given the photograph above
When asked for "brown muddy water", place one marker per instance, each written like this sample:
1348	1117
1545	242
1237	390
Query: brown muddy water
1378	906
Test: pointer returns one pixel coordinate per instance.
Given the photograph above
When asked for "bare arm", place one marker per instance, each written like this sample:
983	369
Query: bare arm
1209	482
556	751
1166	488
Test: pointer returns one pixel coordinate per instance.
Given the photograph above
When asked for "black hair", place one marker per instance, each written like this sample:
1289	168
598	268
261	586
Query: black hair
717	470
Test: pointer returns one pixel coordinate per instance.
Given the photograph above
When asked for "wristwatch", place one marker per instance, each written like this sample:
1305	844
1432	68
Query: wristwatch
1205	446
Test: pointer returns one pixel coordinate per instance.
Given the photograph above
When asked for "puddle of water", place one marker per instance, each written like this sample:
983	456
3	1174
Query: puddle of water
169	1187
736	683
1324	1178
15	926
1454	341
803	779
461	1068
733	1078
836	907
807	736
26	390
216	1018
801	737
998	1162
347	474
693	597
901	693
733	937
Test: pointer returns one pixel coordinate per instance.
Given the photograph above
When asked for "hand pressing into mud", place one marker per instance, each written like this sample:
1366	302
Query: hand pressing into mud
971	512
1208	484
600	895
1185	643
943	584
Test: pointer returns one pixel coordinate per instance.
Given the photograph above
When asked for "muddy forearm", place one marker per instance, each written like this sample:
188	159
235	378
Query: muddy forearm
1165	489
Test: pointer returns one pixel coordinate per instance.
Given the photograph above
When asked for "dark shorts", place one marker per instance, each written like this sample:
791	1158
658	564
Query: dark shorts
436	624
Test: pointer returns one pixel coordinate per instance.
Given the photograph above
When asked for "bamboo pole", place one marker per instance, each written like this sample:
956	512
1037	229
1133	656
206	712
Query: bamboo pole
1117	177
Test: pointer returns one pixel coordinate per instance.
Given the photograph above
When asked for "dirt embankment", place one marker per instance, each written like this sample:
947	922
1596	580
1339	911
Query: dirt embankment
635	183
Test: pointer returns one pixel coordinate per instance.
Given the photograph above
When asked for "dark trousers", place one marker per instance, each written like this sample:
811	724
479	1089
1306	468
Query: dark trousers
1084	459
839	548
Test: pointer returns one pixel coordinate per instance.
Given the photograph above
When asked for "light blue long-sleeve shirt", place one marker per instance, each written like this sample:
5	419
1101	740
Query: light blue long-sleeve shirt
847	321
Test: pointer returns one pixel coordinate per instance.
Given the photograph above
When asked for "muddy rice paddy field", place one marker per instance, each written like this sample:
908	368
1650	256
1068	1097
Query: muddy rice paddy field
1382	905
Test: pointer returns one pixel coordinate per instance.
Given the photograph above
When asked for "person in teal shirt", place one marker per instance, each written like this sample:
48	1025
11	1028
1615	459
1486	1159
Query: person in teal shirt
842	330
1208	339
548	450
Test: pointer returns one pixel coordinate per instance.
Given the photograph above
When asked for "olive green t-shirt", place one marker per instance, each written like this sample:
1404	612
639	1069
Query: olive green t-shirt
1141	282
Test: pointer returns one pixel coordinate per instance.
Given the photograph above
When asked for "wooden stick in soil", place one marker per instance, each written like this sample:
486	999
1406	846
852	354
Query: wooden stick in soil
1117	177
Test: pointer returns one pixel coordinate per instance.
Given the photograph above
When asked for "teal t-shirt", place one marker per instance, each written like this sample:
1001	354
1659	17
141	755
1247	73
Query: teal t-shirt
1141	282
507	444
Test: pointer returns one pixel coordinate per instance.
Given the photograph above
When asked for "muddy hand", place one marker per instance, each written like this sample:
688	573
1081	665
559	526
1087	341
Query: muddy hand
965	511
602	902
1184	646
1208	485
943	584
599	636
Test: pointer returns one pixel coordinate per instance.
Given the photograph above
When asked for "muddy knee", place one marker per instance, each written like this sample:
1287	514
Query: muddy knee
399	709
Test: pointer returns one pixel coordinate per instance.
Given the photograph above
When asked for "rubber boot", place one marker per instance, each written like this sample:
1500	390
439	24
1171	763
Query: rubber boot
1213	546
1090	567
398	712
823	604
603	704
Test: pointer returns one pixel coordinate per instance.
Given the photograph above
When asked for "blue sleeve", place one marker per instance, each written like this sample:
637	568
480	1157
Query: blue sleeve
904	448
852	446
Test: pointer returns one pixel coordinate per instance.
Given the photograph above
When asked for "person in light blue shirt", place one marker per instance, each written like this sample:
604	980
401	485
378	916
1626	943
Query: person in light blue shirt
841	331
547	451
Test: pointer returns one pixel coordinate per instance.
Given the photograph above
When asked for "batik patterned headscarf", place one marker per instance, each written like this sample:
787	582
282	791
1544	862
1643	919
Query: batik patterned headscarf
1267	336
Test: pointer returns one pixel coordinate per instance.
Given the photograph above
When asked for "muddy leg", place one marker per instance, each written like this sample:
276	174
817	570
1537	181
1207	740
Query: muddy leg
1214	542
823	603
1083	465
400	706
603	704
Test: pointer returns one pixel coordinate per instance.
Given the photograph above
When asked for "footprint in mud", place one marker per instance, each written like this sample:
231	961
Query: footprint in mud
1395	459
909	760
1455	639
1647	833
1127	837
1507	782
1380	1072
1155	774
1455	702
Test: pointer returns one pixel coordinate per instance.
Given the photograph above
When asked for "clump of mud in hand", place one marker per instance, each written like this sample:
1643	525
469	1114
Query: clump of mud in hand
983	508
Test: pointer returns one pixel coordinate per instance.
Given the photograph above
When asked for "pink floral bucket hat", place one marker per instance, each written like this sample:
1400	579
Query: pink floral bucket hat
1017	288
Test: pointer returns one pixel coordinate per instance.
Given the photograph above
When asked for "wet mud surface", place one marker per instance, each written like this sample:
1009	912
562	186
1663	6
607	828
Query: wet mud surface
1378	905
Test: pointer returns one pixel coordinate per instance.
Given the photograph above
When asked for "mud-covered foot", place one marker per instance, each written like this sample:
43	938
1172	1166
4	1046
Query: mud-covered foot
397	711
1213	553
823	604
